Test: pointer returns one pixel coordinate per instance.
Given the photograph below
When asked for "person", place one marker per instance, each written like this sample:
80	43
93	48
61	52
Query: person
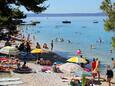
28	47
113	62
51	45
37	61
93	66
109	74
75	82
18	64
100	40
54	67
87	61
45	46
7	43
92	46
41	61
24	64
111	51
38	45
68	41
33	37
97	68
82	64
72	82
78	52
84	80
21	47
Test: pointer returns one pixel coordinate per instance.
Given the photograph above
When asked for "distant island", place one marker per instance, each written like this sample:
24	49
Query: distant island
64	14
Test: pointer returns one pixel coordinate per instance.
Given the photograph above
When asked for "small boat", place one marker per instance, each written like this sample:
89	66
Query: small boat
66	21
35	22
28	24
95	22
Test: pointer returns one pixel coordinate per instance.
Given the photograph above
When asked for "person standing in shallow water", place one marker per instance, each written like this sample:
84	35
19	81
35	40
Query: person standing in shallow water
52	45
38	45
78	52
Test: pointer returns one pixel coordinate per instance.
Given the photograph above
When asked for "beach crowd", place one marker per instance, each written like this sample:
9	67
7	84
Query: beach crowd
49	66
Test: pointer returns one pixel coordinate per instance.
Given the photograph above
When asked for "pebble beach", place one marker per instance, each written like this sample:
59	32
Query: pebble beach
39	78
50	79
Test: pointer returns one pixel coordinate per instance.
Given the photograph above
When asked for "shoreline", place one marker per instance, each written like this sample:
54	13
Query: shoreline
89	54
67	47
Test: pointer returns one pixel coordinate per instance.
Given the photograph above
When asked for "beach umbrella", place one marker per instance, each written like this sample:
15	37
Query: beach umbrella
76	59
37	51
70	68
9	50
4	59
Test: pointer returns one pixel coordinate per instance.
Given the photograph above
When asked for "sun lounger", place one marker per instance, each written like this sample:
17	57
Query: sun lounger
9	79
11	83
65	80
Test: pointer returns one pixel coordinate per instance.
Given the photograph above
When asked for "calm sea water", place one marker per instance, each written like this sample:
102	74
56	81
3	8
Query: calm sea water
82	33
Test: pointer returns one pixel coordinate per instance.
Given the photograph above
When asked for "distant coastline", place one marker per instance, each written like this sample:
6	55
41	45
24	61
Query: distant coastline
64	14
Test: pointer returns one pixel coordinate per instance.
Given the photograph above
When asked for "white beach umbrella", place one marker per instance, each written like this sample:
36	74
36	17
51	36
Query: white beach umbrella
9	50
70	68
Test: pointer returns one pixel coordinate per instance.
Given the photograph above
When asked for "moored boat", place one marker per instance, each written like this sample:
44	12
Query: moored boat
66	21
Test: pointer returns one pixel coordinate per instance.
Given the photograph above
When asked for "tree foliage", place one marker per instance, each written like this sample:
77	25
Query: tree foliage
9	10
108	8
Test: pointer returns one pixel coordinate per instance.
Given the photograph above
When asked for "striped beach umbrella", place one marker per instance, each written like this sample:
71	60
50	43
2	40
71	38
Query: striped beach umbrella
76	59
9	50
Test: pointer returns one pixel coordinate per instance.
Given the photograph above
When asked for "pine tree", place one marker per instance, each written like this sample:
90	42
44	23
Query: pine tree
108	8
10	12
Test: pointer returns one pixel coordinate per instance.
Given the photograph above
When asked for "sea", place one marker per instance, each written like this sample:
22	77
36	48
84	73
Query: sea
84	32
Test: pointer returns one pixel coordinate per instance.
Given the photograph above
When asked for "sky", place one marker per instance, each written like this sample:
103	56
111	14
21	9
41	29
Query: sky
72	6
